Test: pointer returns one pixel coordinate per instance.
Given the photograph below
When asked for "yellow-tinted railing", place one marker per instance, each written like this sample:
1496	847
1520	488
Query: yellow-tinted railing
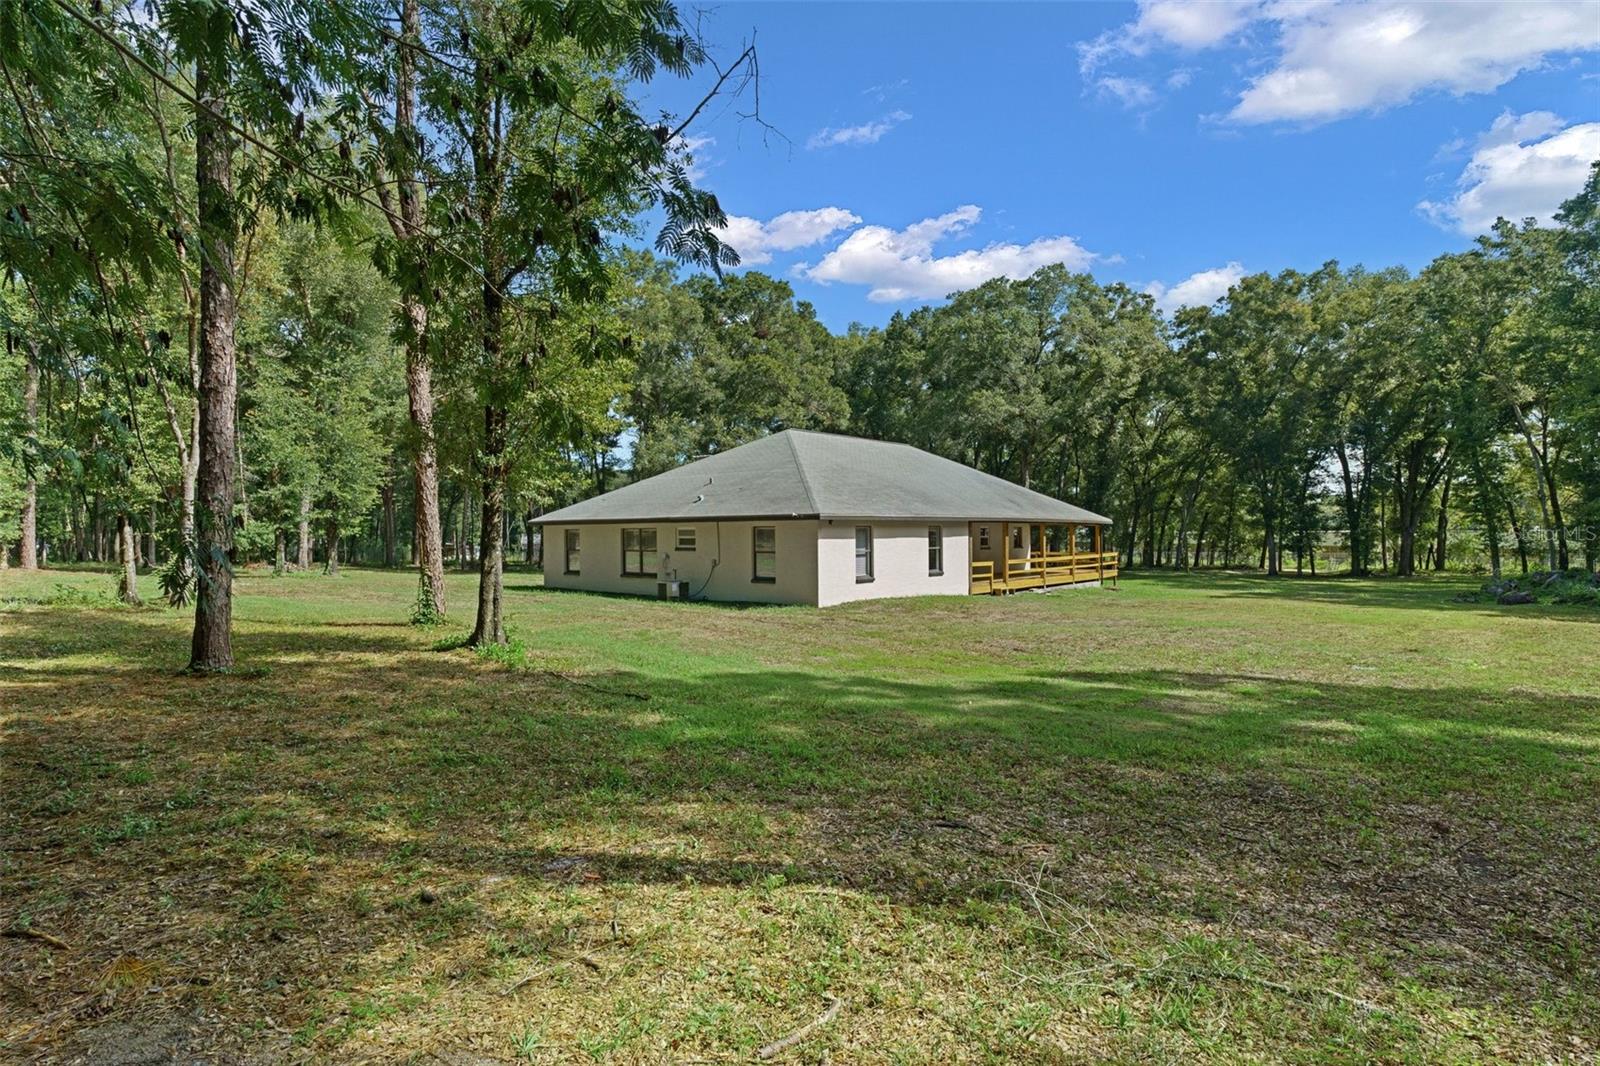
1049	568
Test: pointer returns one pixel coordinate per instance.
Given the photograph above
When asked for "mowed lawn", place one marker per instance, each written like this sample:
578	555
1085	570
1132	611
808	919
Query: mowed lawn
1208	818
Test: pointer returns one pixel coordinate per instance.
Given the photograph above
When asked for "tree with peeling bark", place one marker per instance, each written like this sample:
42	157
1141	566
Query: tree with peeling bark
396	172
257	71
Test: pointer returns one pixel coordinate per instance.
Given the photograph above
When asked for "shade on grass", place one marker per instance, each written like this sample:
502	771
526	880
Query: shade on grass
1209	816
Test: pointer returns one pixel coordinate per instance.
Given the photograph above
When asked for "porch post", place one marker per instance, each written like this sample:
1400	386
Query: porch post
1005	551
1099	556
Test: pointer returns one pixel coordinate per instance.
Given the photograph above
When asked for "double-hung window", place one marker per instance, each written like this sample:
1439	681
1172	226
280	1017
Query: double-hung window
572	551
686	538
863	553
935	551
764	541
639	553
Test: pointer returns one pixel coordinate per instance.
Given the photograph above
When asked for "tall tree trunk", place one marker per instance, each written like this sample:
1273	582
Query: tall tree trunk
1544	484
1441	534
1383	530
128	555
490	627
331	565
280	551
189	461
212	648
1406	557
1131	536
76	517
127	552
1516	531
1352	507
428	543
1269	546
388	523
28	543
303	554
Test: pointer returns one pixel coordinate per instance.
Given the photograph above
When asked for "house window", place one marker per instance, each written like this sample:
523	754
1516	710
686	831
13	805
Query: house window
863	553
935	551
764	540
639	552
686	538
572	551
983	536
1016	536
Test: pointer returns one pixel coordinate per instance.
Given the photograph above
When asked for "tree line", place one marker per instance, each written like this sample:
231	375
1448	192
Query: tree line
239	221
299	284
1363	411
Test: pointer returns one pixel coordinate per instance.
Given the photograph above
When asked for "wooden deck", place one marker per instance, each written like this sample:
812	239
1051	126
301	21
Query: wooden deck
1043	570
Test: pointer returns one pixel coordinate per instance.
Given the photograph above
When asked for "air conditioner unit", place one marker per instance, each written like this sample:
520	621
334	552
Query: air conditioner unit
672	590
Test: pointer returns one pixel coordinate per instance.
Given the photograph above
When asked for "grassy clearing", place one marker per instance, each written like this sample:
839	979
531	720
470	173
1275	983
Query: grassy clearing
1201	818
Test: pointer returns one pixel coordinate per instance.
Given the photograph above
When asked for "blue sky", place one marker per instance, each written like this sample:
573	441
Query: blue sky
1168	144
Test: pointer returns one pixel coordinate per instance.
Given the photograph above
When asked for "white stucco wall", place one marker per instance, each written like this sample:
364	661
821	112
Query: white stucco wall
900	561
728	545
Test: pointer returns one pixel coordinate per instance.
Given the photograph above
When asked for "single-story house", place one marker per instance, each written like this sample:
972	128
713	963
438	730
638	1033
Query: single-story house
821	518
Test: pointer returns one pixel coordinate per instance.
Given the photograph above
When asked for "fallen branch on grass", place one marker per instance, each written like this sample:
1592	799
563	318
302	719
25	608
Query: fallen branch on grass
778	1047
529	979
1290	990
579	682
22	932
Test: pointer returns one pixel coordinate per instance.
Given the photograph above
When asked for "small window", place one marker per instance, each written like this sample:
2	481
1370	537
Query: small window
935	551
1016	536
686	538
765	541
983	536
863	553
638	552
572	551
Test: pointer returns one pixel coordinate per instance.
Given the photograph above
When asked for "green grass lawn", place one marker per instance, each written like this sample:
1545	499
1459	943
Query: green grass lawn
1197	818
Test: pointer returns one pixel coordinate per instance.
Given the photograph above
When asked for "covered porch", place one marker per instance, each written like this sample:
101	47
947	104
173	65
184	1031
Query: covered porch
1008	556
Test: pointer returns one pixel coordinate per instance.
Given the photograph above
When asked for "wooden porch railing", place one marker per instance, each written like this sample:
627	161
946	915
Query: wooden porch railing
1044	570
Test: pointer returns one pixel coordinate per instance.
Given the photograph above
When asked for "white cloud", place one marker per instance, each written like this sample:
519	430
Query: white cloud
1187	24
1193	23
1511	128
755	241
1342	58
1132	92
901	265
1523	167
696	155
1200	289
1339	57
882	92
867	133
